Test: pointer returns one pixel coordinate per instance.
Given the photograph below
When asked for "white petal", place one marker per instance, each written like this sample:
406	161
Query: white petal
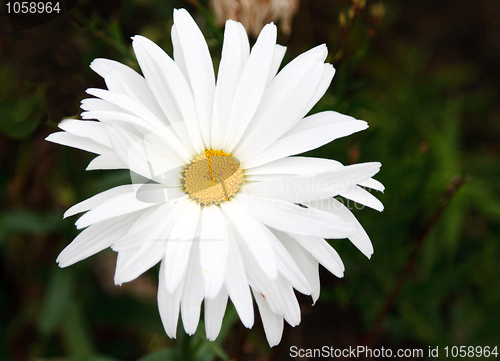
373	184
168	304
118	117
291	74
236	284
250	89
273	323
171	87
274	120
178	54
214	313
279	53
98	199
310	133
289	217
92	104
360	239
87	129
308	264
254	236
144	156
214	243
293	79
311	271
235	51
139	110
323	252
309	187
328	73
192	294
75	141
200	71
295	165
106	161
259	282
129	104
145	228
360	195
153	237
117	75
112	207
179	244
290	304
288	268
94	239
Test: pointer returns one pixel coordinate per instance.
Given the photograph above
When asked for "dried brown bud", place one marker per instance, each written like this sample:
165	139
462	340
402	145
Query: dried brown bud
254	14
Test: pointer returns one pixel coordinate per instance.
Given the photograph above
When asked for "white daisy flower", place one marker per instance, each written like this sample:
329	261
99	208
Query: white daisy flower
225	208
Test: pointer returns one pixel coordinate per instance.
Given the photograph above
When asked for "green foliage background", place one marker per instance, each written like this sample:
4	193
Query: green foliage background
425	75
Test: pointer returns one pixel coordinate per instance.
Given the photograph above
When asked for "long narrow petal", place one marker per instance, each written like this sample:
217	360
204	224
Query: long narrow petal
276	119
153	244
113	207
259	282
93	130
214	247
200	71
123	75
178	54
323	252
294	166
214	313
254	236
305	188
307	263
106	161
98	104
144	156
94	239
251	86
76	141
279	54
295	77
192	294
288	268
140	111
179	245
328	73
235	51
360	239
292	218
362	196
99	198
170	84
373	184
273	323
168	303
236	283
310	133
291	306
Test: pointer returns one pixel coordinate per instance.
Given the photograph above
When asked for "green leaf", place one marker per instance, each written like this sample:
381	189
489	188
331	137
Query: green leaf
58	297
16	118
25	221
162	355
76	334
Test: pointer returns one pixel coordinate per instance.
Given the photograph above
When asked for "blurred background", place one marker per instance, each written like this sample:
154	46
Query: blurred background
424	74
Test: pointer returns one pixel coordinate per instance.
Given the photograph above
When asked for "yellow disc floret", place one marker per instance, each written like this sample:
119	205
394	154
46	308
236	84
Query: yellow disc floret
212	177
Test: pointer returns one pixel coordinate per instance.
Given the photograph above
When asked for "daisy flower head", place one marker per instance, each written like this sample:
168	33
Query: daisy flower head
218	195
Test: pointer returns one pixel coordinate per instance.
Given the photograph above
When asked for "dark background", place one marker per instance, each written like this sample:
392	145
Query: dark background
424	74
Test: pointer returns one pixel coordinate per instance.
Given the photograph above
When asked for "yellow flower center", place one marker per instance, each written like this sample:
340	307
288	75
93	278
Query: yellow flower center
212	177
